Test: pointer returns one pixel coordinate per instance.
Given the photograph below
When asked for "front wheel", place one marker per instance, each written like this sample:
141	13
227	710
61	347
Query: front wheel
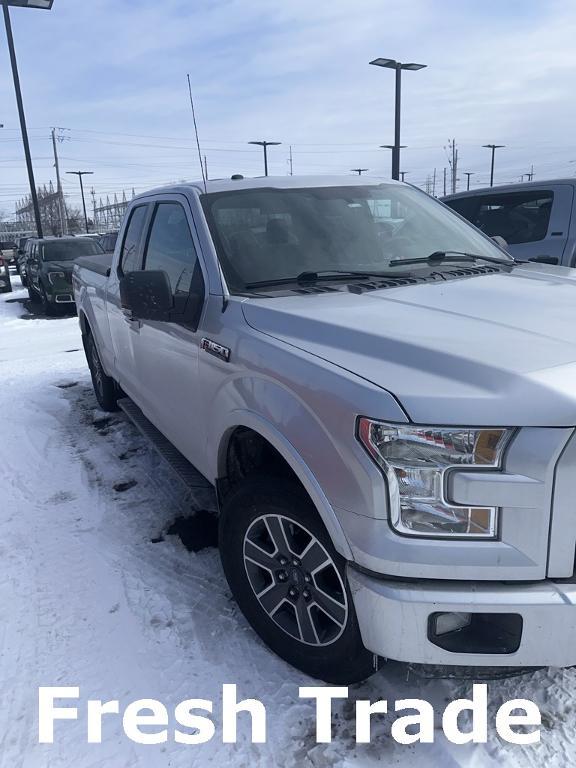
290	582
105	387
47	307
32	293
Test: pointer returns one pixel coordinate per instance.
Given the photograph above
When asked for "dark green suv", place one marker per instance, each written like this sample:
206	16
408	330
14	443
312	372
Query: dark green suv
49	269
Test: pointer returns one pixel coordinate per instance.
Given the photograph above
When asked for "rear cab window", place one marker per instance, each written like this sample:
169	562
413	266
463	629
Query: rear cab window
518	217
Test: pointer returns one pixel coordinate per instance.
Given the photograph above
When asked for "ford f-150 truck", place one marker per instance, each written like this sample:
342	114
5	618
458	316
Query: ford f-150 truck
384	400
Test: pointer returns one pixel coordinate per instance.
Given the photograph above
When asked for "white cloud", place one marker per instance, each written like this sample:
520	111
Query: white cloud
297	72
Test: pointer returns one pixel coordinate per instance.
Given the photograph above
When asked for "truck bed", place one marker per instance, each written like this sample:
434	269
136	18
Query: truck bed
100	264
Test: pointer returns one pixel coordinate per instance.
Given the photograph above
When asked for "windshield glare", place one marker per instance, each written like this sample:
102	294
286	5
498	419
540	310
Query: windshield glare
68	250
272	234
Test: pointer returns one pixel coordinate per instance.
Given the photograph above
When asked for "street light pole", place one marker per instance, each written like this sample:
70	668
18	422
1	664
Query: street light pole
493	147
402	174
22	116
359	171
397	108
468	174
80	174
397	66
265	145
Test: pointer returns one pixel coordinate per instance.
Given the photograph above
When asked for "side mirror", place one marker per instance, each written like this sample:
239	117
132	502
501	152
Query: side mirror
545	259
499	240
147	295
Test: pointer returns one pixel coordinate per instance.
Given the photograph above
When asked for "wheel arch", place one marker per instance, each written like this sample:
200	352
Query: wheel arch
254	425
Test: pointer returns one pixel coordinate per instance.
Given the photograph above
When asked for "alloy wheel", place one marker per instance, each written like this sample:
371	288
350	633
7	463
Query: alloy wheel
295	580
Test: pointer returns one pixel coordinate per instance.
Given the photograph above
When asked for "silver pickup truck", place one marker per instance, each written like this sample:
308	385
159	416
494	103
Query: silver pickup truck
536	219
384	400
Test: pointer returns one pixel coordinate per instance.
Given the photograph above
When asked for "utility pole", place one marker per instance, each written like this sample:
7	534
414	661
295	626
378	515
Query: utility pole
291	162
453	162
493	147
359	171
531	174
80	174
93	193
205	168
61	205
444	182
434	184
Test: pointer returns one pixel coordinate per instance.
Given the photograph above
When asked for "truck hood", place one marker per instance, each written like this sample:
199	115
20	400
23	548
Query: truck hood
490	350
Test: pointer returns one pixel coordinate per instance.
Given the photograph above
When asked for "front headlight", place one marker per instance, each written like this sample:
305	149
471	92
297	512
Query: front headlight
54	277
416	460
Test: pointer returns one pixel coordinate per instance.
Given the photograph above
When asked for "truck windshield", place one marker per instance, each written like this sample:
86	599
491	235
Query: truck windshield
270	234
68	250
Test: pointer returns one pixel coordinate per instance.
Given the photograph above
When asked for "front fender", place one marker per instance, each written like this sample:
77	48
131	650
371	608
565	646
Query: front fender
251	420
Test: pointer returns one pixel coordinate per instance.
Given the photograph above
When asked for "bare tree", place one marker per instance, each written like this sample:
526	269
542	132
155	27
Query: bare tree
75	219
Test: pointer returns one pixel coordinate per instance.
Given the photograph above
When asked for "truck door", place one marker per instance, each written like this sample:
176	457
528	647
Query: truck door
534	222
166	353
124	330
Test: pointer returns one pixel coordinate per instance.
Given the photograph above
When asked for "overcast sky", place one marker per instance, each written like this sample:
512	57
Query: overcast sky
113	74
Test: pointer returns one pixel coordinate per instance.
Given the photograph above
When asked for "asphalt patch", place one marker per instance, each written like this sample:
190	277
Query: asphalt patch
197	532
103	424
123	487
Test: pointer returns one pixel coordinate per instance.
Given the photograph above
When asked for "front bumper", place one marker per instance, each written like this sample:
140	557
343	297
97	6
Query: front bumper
394	619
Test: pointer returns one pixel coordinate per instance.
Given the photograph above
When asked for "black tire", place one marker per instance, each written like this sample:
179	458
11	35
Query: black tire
32	293
105	387
334	651
47	307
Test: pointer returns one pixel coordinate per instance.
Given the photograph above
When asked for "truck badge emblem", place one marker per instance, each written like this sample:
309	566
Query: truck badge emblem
213	348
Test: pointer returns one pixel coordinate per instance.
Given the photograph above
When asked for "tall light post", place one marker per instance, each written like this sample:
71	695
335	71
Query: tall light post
397	66
468	174
493	147
359	171
402	174
265	145
80	174
46	5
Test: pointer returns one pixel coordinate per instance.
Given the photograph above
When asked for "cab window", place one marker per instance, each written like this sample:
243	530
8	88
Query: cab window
131	257
171	249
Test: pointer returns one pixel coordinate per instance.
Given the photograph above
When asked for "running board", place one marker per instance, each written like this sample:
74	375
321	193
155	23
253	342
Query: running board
187	473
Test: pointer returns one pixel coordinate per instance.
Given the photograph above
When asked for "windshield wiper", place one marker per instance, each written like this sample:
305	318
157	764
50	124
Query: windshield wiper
309	278
439	256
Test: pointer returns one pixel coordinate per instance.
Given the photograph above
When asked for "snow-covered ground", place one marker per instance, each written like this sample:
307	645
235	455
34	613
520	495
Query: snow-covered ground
87	599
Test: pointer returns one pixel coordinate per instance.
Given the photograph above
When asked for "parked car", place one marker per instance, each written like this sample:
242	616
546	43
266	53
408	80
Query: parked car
384	400
5	281
7	250
108	242
49	264
537	219
20	259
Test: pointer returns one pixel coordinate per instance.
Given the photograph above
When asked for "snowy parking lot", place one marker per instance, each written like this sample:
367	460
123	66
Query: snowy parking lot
98	591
